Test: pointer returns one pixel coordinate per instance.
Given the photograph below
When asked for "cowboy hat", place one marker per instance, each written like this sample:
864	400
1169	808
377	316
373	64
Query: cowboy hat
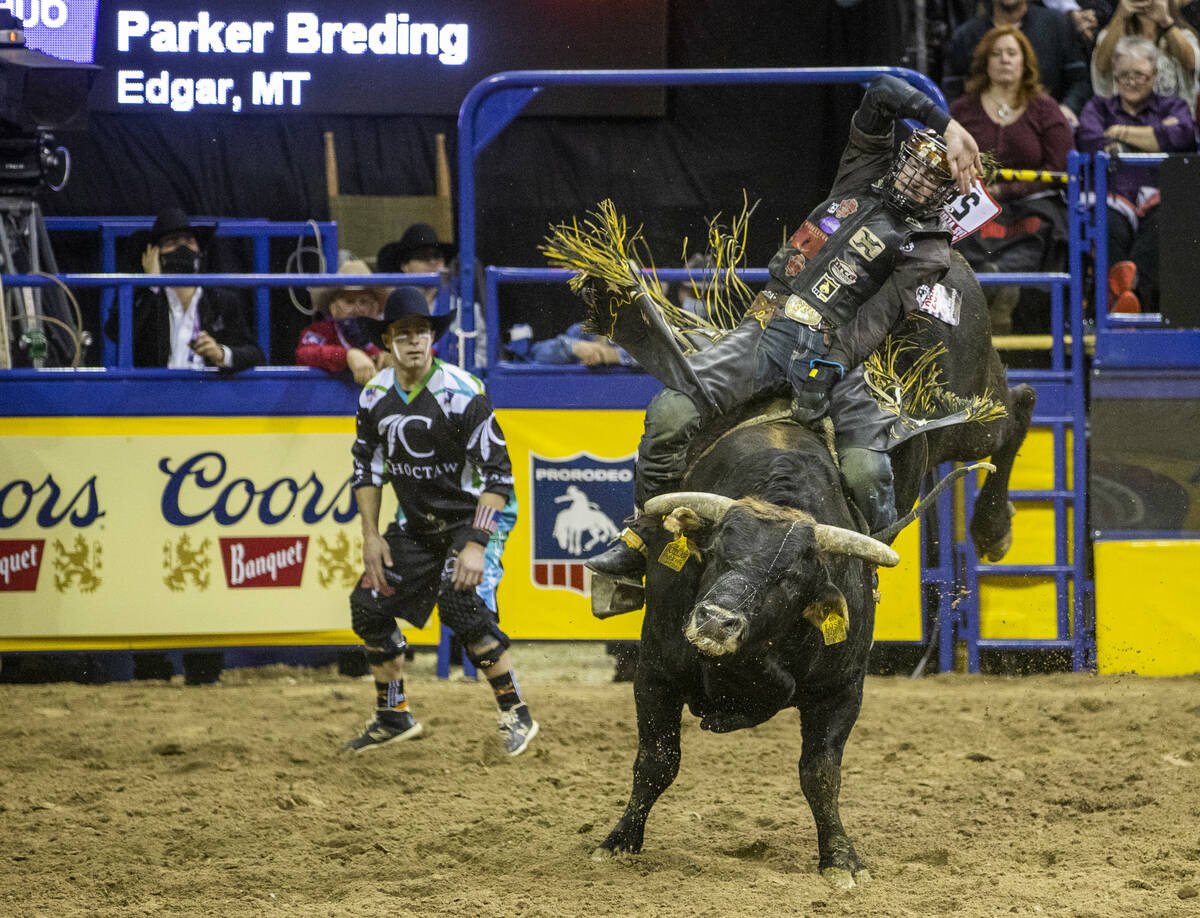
323	296
174	220
418	236
402	303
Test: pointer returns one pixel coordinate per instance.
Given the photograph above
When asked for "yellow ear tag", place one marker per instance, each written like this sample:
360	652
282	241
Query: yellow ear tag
675	554
833	629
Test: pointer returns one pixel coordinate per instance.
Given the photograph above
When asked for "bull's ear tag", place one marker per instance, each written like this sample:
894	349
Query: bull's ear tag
675	553
833	628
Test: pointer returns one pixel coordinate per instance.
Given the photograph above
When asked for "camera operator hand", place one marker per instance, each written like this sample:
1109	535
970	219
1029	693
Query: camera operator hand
150	263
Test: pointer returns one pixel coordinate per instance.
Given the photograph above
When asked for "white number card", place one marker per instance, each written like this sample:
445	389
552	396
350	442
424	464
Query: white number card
968	212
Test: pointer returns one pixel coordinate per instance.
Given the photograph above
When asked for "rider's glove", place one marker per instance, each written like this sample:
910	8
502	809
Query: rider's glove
810	401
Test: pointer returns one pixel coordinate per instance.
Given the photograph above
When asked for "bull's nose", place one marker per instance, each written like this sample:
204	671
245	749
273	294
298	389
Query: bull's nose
715	629
713	618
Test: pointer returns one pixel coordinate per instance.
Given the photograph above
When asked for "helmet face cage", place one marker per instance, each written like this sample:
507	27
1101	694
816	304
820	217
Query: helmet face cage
919	183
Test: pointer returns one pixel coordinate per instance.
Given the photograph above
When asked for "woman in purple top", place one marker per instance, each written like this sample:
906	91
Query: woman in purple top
1006	109
1136	120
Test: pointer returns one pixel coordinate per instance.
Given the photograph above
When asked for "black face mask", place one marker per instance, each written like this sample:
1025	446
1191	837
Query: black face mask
179	261
356	331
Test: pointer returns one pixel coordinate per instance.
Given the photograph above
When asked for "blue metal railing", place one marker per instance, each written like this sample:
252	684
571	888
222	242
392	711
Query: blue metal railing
261	232
493	103
124	285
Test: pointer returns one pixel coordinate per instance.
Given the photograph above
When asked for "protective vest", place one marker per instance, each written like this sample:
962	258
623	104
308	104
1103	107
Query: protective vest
842	254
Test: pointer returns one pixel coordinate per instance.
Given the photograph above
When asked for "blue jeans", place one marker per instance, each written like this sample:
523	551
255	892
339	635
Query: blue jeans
784	352
672	420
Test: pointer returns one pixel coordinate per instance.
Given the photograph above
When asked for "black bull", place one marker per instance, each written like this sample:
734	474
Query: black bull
733	633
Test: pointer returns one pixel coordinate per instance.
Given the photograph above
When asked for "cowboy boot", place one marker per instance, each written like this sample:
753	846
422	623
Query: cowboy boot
626	559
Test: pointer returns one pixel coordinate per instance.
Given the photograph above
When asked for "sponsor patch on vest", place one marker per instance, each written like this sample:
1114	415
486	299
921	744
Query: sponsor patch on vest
843	271
825	288
867	244
808	239
830	224
940	302
846	208
795	265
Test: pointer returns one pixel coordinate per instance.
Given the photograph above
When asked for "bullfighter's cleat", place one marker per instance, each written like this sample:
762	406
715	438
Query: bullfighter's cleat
626	559
517	728
386	727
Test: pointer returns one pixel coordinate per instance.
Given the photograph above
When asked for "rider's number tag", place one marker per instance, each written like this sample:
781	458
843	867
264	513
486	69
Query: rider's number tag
969	212
675	553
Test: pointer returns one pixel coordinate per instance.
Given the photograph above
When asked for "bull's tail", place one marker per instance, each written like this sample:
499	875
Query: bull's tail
886	535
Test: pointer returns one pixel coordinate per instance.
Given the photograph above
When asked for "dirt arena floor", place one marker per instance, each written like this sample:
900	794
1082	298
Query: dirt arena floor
969	796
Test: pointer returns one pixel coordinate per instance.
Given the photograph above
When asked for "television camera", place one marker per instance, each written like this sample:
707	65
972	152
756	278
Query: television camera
39	94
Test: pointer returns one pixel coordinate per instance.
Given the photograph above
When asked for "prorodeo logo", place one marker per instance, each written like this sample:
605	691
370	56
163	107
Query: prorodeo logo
20	563
578	502
264	562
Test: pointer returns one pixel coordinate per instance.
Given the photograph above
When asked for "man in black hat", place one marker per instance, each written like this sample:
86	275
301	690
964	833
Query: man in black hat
418	251
429	428
187	327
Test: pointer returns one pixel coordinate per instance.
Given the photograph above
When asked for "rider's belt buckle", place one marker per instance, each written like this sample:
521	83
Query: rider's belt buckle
800	311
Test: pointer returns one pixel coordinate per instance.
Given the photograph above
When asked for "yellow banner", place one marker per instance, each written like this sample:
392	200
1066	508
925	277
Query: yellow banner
188	531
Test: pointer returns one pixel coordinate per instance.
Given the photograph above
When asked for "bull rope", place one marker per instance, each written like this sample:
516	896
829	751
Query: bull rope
779	414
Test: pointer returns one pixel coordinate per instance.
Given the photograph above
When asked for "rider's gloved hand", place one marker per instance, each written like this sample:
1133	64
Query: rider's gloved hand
810	400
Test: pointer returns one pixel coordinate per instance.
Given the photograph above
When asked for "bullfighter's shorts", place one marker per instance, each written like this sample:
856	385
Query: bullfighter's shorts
421	575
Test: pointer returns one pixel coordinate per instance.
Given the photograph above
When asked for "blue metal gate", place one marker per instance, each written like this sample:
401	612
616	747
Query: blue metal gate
493	103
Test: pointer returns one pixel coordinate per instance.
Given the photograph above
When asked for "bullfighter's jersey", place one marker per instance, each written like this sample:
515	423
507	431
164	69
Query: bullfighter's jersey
439	446
854	261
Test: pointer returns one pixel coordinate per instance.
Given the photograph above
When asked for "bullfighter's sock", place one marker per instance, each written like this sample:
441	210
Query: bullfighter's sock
389	696
508	693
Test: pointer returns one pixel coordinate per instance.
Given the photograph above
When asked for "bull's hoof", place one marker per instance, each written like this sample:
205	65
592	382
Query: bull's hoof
602	854
844	878
995	550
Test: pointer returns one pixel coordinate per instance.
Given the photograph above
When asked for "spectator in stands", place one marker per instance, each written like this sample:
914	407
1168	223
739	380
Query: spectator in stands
419	251
1086	17
339	341
1136	119
185	327
1157	21
1009	113
577	346
1062	66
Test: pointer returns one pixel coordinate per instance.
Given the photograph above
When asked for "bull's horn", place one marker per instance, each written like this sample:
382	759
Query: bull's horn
848	542
708	506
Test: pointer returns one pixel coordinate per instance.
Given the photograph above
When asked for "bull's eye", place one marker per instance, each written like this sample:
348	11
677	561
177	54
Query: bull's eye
790	583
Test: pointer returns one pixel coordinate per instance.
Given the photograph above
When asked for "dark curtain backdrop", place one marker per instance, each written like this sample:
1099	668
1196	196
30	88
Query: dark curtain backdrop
780	144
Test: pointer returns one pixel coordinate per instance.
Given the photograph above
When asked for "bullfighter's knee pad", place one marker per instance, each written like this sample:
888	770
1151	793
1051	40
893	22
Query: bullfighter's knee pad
374	626
494	642
380	652
466	614
868	475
